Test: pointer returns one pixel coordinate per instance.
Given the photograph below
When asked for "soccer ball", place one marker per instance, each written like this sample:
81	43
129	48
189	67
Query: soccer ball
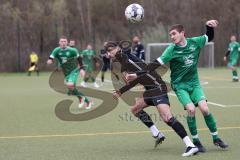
134	13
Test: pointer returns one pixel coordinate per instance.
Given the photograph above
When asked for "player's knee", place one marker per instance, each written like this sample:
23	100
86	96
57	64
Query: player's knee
170	122
134	111
191	110
70	86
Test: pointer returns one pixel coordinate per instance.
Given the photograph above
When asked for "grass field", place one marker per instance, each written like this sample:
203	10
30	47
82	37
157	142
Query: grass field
30	130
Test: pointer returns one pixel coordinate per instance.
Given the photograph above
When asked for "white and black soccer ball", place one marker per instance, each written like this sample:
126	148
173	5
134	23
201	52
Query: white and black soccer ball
134	13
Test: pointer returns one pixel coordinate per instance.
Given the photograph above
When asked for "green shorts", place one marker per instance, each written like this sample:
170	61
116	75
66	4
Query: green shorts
72	77
193	95
232	63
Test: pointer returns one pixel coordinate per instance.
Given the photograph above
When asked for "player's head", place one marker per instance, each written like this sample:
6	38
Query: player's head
89	46
177	33
63	42
112	49
136	39
71	43
233	38
105	44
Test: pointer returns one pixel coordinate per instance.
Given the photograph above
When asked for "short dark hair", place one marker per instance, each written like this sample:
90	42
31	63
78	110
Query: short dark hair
177	27
63	37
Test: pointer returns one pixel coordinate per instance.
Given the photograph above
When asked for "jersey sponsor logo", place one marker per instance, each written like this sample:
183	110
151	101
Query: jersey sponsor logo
188	60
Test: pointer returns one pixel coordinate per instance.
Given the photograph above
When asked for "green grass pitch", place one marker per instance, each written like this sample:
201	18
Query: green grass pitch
30	130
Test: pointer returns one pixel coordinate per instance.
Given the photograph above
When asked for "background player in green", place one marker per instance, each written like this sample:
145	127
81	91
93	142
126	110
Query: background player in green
233	53
88	56
67	57
183	56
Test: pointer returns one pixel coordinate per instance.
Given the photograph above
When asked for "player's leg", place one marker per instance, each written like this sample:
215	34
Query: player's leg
185	100
165	113
232	66
138	111
37	69
71	81
31	68
199	98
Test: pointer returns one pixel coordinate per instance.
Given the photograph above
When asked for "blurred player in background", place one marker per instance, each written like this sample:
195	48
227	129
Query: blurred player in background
183	56
71	63
72	44
33	63
138	48
88	56
233	54
107	63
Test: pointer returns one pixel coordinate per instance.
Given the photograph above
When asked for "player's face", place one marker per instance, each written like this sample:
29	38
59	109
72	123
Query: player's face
136	39
72	43
89	47
112	51
176	37
233	38
63	43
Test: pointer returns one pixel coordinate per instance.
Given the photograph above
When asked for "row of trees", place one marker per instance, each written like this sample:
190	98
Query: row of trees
36	25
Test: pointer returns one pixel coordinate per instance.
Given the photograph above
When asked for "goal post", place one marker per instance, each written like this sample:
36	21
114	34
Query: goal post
206	57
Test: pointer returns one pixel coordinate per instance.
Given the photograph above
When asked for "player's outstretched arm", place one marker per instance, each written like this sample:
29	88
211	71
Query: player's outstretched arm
50	61
210	25
130	85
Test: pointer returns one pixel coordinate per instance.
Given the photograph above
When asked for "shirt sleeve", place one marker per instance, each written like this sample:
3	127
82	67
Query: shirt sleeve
201	40
54	53
166	56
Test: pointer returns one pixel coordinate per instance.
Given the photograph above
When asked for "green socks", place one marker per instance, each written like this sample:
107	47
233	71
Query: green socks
211	123
235	74
191	121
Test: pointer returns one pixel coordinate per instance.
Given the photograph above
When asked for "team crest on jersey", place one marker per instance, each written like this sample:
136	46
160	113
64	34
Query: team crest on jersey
192	48
188	60
68	53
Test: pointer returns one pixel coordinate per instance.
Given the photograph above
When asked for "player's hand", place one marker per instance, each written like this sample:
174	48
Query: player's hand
82	72
49	61
130	77
225	58
212	23
116	94
97	64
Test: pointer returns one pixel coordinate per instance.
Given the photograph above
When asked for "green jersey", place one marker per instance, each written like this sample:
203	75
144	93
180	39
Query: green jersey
234	48
67	58
87	59
183	62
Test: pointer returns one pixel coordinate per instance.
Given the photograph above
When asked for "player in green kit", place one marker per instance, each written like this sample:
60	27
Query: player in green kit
70	62
88	56
182	55
233	53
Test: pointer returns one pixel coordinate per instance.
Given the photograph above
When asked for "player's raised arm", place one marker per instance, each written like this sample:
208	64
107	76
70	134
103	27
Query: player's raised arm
210	25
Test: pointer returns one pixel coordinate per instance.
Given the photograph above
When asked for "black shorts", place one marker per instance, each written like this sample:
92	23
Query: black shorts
156	100
106	66
33	64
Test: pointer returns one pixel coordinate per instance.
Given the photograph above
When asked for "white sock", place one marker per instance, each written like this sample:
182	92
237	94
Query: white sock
188	142
154	130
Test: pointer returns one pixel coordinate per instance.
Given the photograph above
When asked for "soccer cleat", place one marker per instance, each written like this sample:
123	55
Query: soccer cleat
89	105
190	151
96	85
218	142
159	139
83	84
200	147
81	102
235	80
